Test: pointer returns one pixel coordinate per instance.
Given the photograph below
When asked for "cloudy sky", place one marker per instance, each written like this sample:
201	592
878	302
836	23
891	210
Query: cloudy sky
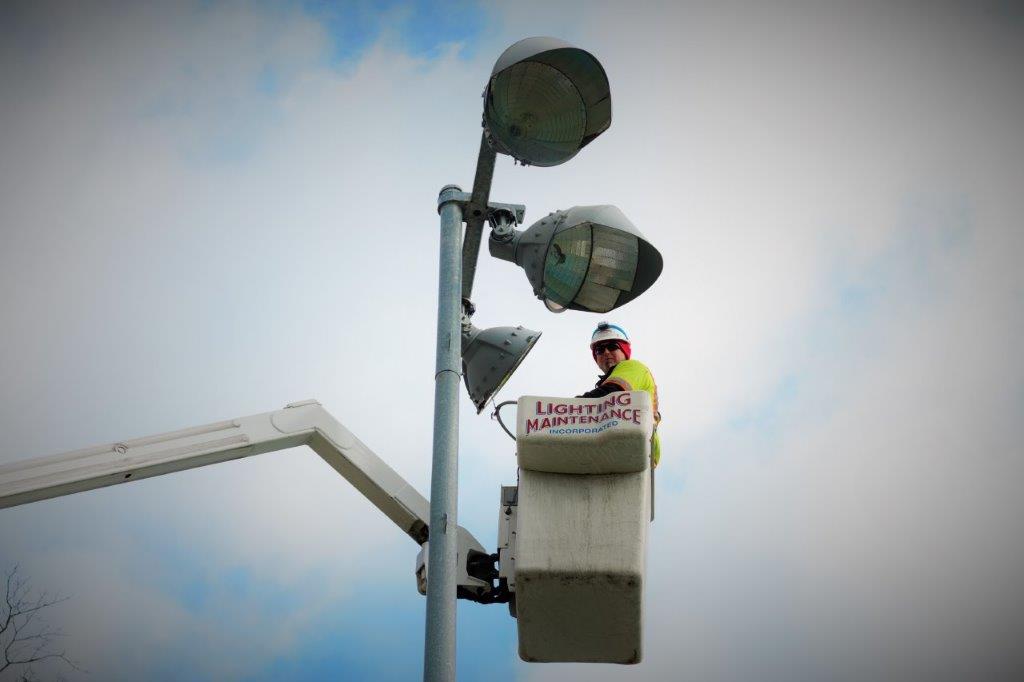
212	209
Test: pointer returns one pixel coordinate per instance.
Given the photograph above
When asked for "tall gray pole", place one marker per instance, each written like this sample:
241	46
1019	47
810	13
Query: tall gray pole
439	648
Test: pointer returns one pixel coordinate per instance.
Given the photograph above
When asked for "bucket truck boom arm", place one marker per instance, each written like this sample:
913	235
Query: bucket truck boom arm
301	423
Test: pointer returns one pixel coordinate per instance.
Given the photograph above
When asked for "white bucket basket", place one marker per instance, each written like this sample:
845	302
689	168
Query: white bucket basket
583	510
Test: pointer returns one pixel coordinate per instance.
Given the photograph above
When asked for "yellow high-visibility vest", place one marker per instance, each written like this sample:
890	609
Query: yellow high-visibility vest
633	375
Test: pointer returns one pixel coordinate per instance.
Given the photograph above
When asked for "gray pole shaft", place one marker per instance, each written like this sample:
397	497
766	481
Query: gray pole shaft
439	649
477	214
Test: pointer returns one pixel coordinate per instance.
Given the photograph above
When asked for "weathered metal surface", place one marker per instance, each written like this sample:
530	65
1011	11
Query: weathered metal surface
439	646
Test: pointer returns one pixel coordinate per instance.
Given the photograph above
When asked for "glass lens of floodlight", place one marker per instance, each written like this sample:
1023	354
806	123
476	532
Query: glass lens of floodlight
612	269
565	266
554	307
537	113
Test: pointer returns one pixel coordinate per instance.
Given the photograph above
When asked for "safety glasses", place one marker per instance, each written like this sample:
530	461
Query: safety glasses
605	348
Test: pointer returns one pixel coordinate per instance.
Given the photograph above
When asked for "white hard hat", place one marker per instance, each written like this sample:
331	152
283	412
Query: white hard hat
608	332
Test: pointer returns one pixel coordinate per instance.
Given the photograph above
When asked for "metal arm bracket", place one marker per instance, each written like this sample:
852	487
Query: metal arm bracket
465	200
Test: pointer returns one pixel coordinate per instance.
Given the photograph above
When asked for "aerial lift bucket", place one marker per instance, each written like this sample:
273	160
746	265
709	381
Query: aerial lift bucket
577	539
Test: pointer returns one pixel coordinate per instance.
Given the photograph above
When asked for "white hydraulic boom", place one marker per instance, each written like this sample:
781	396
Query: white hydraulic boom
301	423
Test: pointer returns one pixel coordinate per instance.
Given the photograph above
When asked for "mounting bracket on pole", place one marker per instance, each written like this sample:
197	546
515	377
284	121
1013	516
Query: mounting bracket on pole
475	216
464	199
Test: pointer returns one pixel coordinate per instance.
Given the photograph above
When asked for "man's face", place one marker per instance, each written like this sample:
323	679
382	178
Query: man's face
607	354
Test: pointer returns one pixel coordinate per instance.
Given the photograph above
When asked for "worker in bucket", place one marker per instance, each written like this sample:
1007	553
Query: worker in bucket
611	349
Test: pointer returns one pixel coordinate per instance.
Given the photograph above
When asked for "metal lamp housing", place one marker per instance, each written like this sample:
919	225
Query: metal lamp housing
589	258
491	356
545	100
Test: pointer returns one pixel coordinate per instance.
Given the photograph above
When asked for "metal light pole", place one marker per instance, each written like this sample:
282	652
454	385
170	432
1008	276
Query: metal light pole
439	648
455	282
455	257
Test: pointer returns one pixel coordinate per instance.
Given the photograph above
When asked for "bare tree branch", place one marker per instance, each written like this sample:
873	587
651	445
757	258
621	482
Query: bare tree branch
26	639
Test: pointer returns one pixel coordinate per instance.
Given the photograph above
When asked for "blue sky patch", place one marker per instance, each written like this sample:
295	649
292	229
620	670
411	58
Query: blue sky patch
764	416
378	634
422	27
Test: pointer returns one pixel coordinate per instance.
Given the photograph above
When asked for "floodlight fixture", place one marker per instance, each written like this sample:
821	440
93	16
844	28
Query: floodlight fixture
589	258
545	101
491	356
